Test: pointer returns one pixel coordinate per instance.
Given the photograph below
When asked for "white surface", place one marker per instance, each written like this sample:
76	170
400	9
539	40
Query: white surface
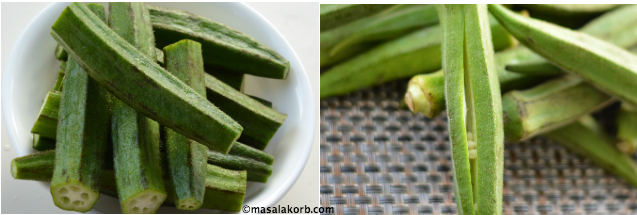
298	22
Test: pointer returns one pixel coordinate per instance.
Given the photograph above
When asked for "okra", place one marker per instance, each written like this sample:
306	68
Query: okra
607	67
58	81
223	47
47	122
225	189
425	93
262	101
627	129
39	167
474	108
616	27
43	143
334	15
568	15
136	140
186	158
415	53
257	163
147	88
586	138
233	79
159	54
259	122
82	136
548	106
60	53
390	26
84	114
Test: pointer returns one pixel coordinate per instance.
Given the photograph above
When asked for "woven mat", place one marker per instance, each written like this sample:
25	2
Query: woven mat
379	159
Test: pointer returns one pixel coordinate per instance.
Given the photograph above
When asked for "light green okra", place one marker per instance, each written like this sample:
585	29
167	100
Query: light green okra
418	52
376	23
333	15
616	27
626	121
474	108
586	138
390	26
606	66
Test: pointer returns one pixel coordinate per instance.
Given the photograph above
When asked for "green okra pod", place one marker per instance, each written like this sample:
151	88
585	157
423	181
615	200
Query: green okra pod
607	67
60	53
616	27
223	47
474	108
568	15
259	122
136	140
39	167
626	121
549	106
47	122
148	88
390	26
425	92
415	53
82	137
586	138
43	143
233	79
186	158
333	15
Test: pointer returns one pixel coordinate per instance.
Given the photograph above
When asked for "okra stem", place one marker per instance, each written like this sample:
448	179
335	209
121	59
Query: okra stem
47	122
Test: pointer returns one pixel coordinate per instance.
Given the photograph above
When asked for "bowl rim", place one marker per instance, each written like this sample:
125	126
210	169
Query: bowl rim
303	79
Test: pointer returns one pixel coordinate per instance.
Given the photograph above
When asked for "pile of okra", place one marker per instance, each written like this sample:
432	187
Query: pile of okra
148	107
503	73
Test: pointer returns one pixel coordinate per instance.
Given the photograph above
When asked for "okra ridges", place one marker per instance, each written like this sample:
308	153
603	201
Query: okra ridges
74	195
145	202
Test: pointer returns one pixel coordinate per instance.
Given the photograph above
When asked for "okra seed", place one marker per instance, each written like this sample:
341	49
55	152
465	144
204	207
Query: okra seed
154	199
63	191
66	200
85	196
471	145
473	154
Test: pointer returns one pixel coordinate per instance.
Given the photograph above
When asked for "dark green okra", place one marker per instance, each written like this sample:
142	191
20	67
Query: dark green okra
39	167
47	122
186	158
43	143
148	88
257	163
82	137
259	122
233	79
136	140
333	15
415	53
262	101
586	138
60	53
223	47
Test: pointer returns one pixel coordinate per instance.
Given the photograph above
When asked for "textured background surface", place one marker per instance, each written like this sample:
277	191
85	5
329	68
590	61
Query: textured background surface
376	158
298	22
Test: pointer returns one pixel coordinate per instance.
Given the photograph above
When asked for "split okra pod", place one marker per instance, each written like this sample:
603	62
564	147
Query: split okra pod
474	108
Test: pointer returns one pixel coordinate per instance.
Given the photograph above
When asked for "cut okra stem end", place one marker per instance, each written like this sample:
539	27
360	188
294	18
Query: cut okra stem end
145	202
73	196
416	99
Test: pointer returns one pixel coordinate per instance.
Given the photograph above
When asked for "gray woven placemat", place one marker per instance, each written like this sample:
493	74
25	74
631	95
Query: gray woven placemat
379	159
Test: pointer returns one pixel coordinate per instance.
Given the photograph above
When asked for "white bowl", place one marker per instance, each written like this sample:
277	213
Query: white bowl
32	68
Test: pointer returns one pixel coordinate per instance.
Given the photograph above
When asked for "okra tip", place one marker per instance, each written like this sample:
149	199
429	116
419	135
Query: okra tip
416	99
